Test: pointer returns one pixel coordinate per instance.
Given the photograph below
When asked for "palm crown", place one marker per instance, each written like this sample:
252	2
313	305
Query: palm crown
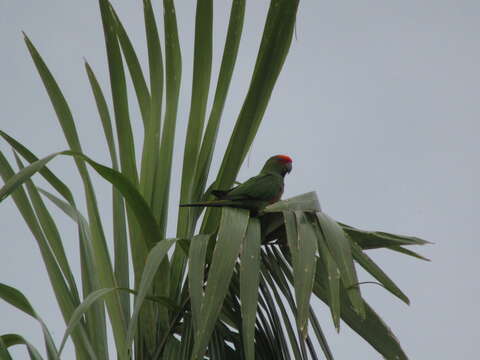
238	288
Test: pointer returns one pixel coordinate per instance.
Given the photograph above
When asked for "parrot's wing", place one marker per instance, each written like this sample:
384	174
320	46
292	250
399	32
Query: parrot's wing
260	187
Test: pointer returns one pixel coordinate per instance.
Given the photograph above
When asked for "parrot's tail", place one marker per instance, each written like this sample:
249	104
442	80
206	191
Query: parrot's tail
213	203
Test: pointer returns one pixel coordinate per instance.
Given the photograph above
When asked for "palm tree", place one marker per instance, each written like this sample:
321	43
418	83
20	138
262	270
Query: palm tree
229	284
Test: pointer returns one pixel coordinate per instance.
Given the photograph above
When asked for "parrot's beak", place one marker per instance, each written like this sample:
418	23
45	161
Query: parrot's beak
288	167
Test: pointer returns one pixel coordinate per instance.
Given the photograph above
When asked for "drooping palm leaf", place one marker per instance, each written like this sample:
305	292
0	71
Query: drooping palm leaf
63	296
8	340
17	299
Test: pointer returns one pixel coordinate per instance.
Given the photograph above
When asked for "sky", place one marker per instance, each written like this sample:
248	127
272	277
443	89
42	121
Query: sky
377	105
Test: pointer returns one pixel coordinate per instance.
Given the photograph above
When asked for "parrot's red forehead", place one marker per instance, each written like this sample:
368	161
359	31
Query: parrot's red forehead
284	158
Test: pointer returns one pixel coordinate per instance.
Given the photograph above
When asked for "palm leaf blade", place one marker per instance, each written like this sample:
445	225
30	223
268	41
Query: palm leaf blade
173	64
231	233
369	265
330	268
249	282
340	248
232	42
303	281
196	278
121	265
153	124
136	73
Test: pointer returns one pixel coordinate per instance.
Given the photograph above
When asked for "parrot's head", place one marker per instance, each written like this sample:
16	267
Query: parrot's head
279	164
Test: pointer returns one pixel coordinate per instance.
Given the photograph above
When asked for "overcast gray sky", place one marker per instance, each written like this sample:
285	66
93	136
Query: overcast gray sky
378	104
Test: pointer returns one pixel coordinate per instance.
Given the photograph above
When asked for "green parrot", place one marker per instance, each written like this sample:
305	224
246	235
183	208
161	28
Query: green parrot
258	191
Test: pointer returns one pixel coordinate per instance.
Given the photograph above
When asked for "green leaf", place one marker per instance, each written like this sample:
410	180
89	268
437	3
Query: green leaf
196	275
121	265
152	126
126	144
80	311
136	73
187	338
371	327
249	282
202	67
177	272
4	354
291	230
139	244
154	258
229	58
408	252
119	94
330	269
14	339
45	172
19	178
232	230
164	301
163	166
340	248
369	265
155	65
141	210
377	239
17	299
304	274
173	64
56	97
103	112
303	247
74	214
51	233
95	318
305	202
373	330
172	349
